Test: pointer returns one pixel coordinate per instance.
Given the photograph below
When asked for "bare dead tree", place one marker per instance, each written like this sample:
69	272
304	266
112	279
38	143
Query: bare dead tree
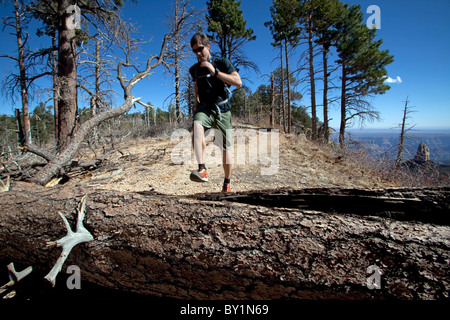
23	80
57	162
182	24
404	129
22	77
96	74
65	17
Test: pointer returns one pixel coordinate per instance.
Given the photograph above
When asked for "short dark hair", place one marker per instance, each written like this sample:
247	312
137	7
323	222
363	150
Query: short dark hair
199	38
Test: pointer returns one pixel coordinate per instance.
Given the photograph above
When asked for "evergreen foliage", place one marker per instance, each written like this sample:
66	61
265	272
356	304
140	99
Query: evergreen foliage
229	31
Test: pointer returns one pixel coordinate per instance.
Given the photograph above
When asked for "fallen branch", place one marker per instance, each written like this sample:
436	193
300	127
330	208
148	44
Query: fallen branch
148	106
109	176
153	158
37	151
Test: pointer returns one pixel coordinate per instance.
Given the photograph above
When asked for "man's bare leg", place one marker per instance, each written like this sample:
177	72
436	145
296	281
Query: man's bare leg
226	155
226	164
199	150
199	142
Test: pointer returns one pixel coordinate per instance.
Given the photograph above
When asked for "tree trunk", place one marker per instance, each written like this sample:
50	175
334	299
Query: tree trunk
272	101
295	244
177	67
20	134
67	77
398	160
288	79
312	80
283	99
23	76
96	99
343	109
326	131
56	83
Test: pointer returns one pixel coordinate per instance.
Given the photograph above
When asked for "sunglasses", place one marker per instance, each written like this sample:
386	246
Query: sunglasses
199	49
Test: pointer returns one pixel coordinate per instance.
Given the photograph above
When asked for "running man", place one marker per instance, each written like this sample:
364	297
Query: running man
212	78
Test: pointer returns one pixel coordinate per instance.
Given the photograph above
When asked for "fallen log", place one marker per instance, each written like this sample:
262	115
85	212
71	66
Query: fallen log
227	247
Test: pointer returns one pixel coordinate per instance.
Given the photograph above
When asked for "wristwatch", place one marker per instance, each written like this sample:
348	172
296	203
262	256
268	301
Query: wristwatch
216	72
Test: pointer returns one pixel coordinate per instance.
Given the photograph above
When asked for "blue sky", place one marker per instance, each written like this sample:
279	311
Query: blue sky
416	33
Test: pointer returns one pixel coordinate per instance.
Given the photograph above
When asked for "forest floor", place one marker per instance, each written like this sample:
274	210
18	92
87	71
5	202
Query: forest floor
292	161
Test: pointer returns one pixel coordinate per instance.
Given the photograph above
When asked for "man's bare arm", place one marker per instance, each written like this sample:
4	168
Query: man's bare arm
232	79
197	98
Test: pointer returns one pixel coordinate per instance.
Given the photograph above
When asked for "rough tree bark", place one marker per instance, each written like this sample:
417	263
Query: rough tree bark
22	75
296	244
67	77
312	80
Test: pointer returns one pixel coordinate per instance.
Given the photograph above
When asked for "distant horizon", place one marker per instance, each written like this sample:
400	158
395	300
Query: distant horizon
373	129
381	140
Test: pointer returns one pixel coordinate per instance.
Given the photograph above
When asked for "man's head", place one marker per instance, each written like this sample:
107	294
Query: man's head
200	46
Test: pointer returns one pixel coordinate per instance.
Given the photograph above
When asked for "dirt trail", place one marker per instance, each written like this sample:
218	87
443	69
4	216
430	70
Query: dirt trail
144	165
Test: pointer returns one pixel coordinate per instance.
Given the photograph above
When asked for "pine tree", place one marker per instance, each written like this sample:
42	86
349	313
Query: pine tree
229	31
327	14
362	66
285	33
306	11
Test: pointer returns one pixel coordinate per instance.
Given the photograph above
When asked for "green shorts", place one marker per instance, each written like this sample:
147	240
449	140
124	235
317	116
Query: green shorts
211	119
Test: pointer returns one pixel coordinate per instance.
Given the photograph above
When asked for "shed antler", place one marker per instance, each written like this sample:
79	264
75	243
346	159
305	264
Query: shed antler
69	241
15	276
5	186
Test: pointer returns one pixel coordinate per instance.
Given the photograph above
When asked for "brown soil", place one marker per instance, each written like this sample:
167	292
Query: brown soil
147	165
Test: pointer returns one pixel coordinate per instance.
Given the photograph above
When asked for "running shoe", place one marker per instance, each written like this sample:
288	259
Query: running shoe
199	176
226	187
